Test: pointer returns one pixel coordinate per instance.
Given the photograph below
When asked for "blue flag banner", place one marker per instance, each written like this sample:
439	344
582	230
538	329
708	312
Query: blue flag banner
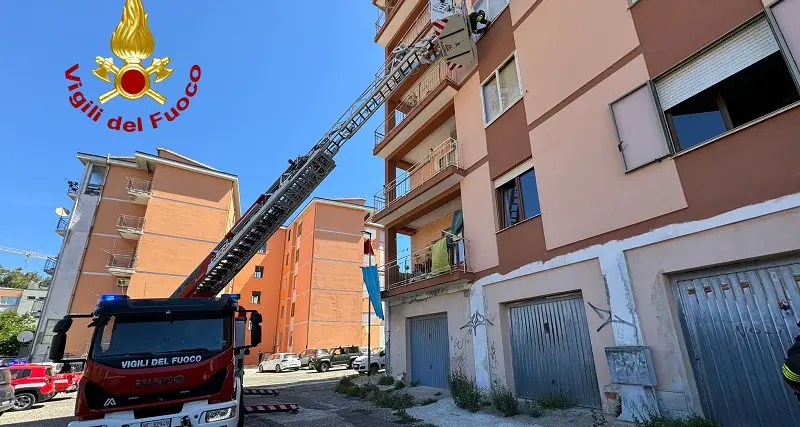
374	288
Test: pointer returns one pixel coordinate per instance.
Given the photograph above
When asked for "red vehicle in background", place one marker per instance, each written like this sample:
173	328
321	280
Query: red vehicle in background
32	383
66	376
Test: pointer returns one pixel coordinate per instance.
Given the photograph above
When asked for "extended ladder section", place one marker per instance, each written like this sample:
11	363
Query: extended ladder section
273	208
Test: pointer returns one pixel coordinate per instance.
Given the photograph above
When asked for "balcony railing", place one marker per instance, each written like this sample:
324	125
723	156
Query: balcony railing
136	185
63	225
427	263
447	154
37	307
433	77
421	22
387	11
50	266
129	223
121	261
72	189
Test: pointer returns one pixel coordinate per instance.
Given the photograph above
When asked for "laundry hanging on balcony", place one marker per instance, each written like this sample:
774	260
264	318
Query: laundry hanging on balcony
373	288
441	261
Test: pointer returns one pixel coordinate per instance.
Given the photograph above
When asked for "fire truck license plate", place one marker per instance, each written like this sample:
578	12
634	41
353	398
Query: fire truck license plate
159	423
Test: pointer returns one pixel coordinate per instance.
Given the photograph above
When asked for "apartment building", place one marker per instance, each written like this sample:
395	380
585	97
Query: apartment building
10	299
323	300
616	185
138	226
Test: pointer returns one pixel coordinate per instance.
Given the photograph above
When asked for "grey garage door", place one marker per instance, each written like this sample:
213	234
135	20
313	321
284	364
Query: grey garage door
740	321
552	352
430	355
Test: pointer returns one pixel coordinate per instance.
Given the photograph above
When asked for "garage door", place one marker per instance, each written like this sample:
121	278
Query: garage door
430	355
552	352
740	322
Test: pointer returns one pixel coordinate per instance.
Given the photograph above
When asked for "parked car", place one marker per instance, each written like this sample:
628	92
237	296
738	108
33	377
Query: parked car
67	376
307	355
377	361
279	362
337	356
6	391
32	383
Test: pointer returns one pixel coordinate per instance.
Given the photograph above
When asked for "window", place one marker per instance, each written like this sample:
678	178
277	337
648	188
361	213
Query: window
491	7
292	310
19	373
297	255
294	282
291	335
287	259
259	272
31	297
299	229
96	178
256	297
501	90
289	236
712	94
263	249
518	199
9	300
281	311
641	135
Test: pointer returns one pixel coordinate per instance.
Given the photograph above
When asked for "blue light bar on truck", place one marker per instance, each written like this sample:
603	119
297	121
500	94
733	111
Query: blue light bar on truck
113	297
236	297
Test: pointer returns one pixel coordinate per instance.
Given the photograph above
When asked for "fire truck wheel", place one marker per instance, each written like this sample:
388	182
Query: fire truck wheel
278	368
24	401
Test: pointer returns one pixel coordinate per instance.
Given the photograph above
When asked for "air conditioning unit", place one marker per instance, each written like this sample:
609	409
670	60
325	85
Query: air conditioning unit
123	282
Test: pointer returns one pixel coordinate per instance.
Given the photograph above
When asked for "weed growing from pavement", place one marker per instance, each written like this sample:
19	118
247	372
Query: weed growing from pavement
465	392
343	385
414	383
669	421
532	410
598	419
428	401
399	385
554	401
504	400
404	418
386	380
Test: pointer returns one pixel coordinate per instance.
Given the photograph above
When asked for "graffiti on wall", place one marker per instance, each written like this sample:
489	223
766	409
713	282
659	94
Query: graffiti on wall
458	350
608	317
493	357
477	319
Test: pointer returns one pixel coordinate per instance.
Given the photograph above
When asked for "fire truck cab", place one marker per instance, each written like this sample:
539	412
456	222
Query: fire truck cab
162	362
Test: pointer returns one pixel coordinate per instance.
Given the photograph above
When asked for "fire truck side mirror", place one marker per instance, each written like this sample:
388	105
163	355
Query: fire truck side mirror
255	334
256	318
57	346
63	325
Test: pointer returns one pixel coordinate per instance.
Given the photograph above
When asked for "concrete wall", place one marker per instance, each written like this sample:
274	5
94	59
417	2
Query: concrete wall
456	305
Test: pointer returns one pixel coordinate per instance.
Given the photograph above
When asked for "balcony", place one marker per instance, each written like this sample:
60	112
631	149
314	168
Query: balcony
130	227
121	265
62	226
50	266
139	190
72	189
437	171
430	94
391	18
36	309
428	267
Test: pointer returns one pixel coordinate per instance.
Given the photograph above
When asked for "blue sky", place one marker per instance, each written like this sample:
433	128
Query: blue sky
275	76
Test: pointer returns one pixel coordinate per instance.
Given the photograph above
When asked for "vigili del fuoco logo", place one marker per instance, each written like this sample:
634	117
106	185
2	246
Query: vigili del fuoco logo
131	42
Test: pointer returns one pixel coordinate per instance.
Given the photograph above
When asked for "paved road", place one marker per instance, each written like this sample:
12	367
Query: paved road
58	412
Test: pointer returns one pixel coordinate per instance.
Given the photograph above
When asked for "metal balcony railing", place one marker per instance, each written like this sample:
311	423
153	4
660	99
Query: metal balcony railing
415	32
386	12
63	225
130	223
38	306
447	154
121	261
136	185
72	189
433	77
426	263
50	266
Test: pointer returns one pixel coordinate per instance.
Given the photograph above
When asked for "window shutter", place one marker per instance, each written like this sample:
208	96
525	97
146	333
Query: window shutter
739	51
787	15
640	133
491	99
509	84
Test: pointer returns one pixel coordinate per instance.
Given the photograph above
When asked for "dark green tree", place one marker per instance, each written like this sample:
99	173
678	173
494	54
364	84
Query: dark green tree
11	324
19	279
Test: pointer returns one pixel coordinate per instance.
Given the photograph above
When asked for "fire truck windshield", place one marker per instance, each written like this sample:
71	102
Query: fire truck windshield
120	337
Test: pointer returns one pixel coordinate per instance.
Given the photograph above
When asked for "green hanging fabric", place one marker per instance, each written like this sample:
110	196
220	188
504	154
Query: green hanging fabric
440	261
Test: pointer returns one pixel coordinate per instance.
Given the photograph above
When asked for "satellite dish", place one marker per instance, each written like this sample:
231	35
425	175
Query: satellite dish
25	336
62	211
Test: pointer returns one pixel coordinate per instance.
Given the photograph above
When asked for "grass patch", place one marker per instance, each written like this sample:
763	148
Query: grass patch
504	400
414	383
366	390
399	385
428	401
354	391
532	410
465	392
554	401
668	421
343	385
392	400
386	380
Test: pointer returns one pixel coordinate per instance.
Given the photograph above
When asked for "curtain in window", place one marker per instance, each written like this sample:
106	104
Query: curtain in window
509	84
491	99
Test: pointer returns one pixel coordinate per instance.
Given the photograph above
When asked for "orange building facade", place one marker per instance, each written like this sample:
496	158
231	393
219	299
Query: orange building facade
308	284
138	226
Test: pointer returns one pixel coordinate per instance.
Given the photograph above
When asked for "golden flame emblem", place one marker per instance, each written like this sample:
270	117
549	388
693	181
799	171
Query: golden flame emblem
132	42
